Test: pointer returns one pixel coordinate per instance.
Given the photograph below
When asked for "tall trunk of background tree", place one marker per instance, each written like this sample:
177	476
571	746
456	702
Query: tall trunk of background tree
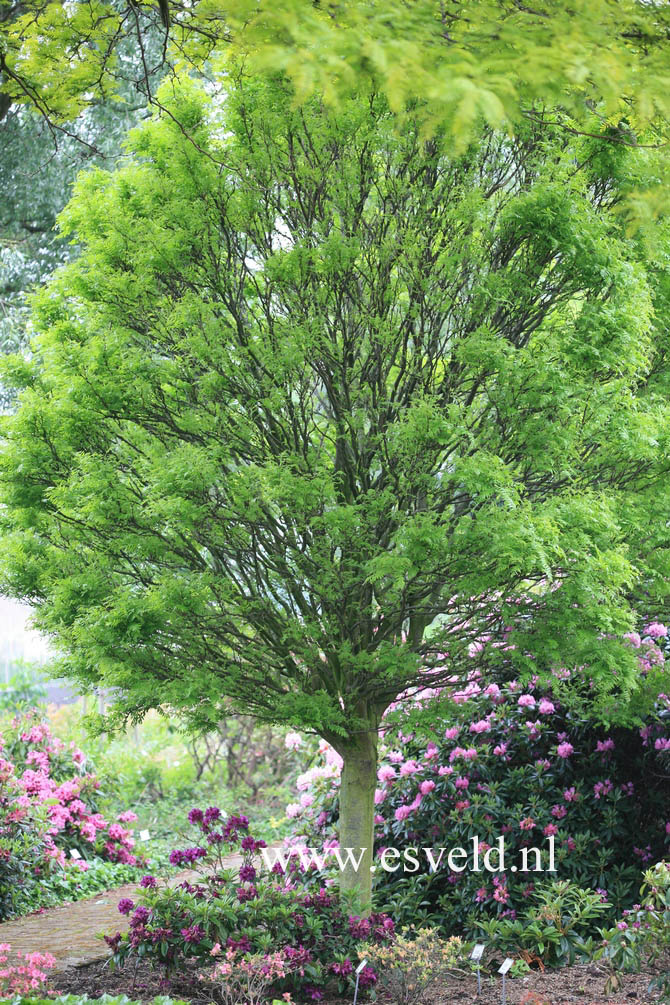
357	810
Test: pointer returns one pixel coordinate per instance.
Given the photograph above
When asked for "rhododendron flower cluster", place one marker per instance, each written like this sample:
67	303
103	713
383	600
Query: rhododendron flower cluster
28	976
49	805
265	928
601	795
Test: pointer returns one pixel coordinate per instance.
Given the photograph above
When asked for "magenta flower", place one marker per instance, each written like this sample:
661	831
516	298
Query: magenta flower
526	701
565	749
126	905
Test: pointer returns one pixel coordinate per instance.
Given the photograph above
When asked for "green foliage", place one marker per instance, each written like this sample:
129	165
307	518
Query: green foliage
282	419
556	927
413	966
24	689
465	62
643	934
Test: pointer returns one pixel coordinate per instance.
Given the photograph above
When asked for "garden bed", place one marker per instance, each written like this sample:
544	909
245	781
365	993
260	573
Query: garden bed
583	983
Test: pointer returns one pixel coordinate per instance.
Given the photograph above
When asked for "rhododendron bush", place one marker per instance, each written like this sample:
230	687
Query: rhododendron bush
260	928
49	809
508	759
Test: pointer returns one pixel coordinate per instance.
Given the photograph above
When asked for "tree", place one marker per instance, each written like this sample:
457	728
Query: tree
496	59
322	401
38	165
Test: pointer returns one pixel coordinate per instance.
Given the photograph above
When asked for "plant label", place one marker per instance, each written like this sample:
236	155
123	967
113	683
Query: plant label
361	967
477	953
506	966
144	835
74	854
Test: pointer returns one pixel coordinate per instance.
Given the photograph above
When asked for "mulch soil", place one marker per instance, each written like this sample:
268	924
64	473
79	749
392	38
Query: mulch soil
583	984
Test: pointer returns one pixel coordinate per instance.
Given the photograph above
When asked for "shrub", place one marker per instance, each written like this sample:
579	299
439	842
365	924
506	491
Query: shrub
48	808
642	935
245	914
509	759
246	980
558	925
27	976
414	964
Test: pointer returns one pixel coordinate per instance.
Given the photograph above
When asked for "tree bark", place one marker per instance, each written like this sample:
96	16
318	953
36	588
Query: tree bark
357	810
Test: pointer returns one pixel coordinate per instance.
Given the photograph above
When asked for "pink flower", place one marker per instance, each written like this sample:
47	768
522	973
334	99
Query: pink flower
634	639
493	692
565	749
559	812
386	773
662	744
550	829
570	795
292	741
409	767
656	630
483	726
380	796
451	733
127	817
462	782
445	770
527	824
402	812
426	787
526	701
604	746
431	752
500	750
546	707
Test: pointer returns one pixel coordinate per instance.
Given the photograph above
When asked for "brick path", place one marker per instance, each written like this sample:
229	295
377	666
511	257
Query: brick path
69	931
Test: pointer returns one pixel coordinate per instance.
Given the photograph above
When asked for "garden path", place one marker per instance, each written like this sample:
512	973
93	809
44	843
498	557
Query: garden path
70	932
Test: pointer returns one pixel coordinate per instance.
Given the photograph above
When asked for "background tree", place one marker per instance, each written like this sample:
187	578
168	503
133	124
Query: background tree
38	165
322	402
496	59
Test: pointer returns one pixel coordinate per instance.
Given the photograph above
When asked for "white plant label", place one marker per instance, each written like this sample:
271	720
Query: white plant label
144	835
74	853
506	966
361	966
477	953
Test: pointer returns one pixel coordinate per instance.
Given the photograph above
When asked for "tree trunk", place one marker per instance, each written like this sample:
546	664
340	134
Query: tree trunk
357	811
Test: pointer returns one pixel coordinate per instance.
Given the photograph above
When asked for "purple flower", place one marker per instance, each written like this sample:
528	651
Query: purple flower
126	905
247	873
242	944
140	916
193	934
245	893
148	881
196	816
565	749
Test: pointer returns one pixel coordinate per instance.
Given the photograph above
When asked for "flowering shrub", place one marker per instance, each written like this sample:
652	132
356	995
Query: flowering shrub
412	966
48	807
29	977
506	759
246	979
556	928
643	933
250	916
